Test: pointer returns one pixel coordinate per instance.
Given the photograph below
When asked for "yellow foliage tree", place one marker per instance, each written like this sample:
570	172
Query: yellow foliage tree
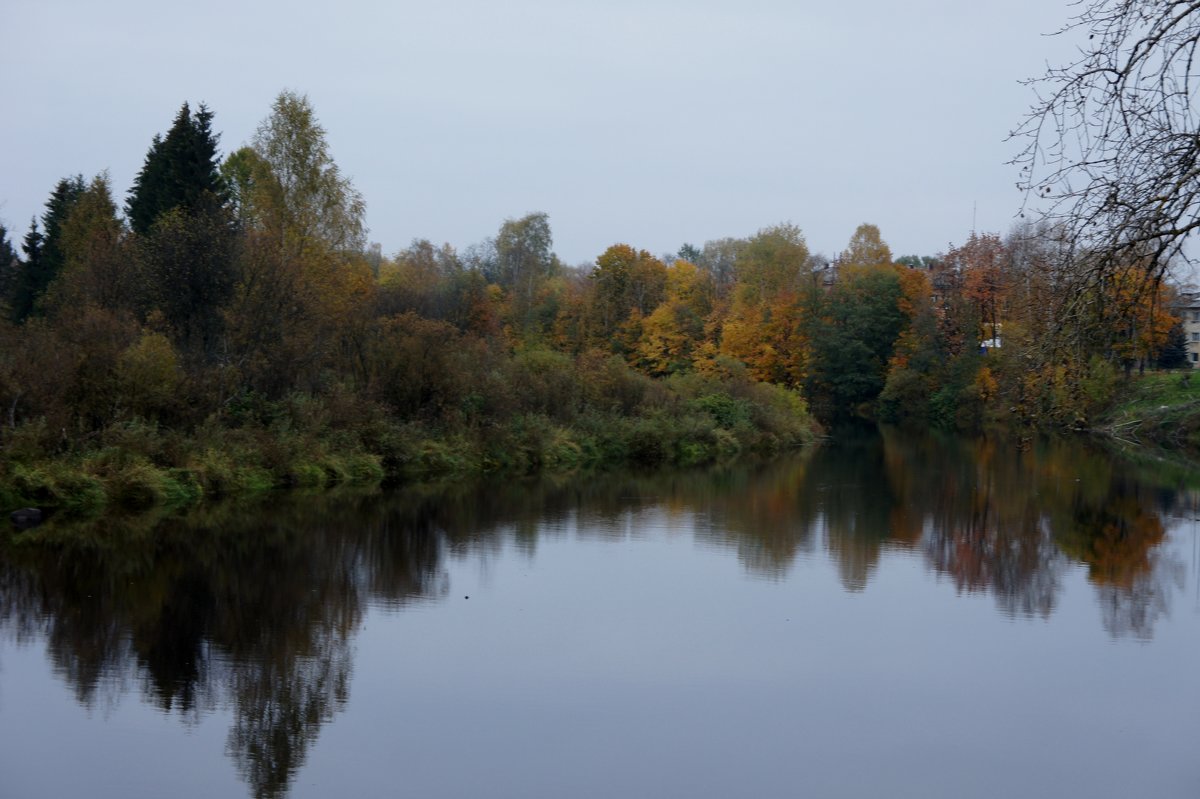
764	326
866	249
769	338
673	332
625	282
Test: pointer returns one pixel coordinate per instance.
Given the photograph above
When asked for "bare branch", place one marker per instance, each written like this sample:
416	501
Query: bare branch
1112	144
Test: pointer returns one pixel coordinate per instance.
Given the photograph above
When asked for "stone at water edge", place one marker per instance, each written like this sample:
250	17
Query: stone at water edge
26	517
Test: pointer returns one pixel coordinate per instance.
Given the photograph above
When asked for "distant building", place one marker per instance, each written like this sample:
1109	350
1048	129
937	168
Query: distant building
824	271
1188	310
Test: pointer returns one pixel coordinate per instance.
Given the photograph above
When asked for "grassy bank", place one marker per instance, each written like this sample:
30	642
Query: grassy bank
1160	409
321	441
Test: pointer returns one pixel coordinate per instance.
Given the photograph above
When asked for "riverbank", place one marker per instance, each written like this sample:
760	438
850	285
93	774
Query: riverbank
1160	409
312	442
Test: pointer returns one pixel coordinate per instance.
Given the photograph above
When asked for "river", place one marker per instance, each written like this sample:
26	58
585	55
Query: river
890	615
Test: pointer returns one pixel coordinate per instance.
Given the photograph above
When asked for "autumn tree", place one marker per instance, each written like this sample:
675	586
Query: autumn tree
97	268
866	249
435	283
627	283
297	190
237	176
1032	266
521	260
419	366
1135	318
719	258
982	268
859	323
303	279
674	331
421	278
1109	160
766	325
524	253
916	365
771	262
772	338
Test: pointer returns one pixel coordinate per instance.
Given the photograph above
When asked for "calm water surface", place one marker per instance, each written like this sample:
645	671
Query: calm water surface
889	616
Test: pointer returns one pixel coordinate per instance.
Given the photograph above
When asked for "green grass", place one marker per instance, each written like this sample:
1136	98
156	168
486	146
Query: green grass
140	466
1162	408
1156	392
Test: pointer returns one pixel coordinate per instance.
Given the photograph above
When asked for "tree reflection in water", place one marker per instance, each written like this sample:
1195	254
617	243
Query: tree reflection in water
1119	541
1010	521
256	608
987	527
232	607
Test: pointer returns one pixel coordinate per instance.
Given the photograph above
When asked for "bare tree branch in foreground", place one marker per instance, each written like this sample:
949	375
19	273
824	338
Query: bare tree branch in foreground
1112	144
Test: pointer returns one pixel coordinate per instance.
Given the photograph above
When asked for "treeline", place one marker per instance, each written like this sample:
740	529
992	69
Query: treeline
1027	331
230	327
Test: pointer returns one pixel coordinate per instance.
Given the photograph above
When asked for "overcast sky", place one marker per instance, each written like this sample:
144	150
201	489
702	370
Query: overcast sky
653	123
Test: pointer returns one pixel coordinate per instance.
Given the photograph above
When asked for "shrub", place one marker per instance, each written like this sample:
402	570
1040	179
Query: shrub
148	376
724	409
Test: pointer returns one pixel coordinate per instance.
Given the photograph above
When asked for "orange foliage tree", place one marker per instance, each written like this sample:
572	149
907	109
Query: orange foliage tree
981	266
765	327
1135	316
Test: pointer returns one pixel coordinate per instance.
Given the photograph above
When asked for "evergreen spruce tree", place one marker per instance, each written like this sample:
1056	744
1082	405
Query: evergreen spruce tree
32	243
142	206
206	183
8	253
180	171
44	252
62	200
23	288
180	209
1174	354
10	266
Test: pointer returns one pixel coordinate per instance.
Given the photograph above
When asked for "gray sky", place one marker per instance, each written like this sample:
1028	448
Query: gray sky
651	123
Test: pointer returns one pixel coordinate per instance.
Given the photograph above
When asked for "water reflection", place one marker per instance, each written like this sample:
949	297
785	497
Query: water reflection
255	608
990	531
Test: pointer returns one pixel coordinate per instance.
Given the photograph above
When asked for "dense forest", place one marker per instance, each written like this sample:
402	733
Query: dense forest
230	328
